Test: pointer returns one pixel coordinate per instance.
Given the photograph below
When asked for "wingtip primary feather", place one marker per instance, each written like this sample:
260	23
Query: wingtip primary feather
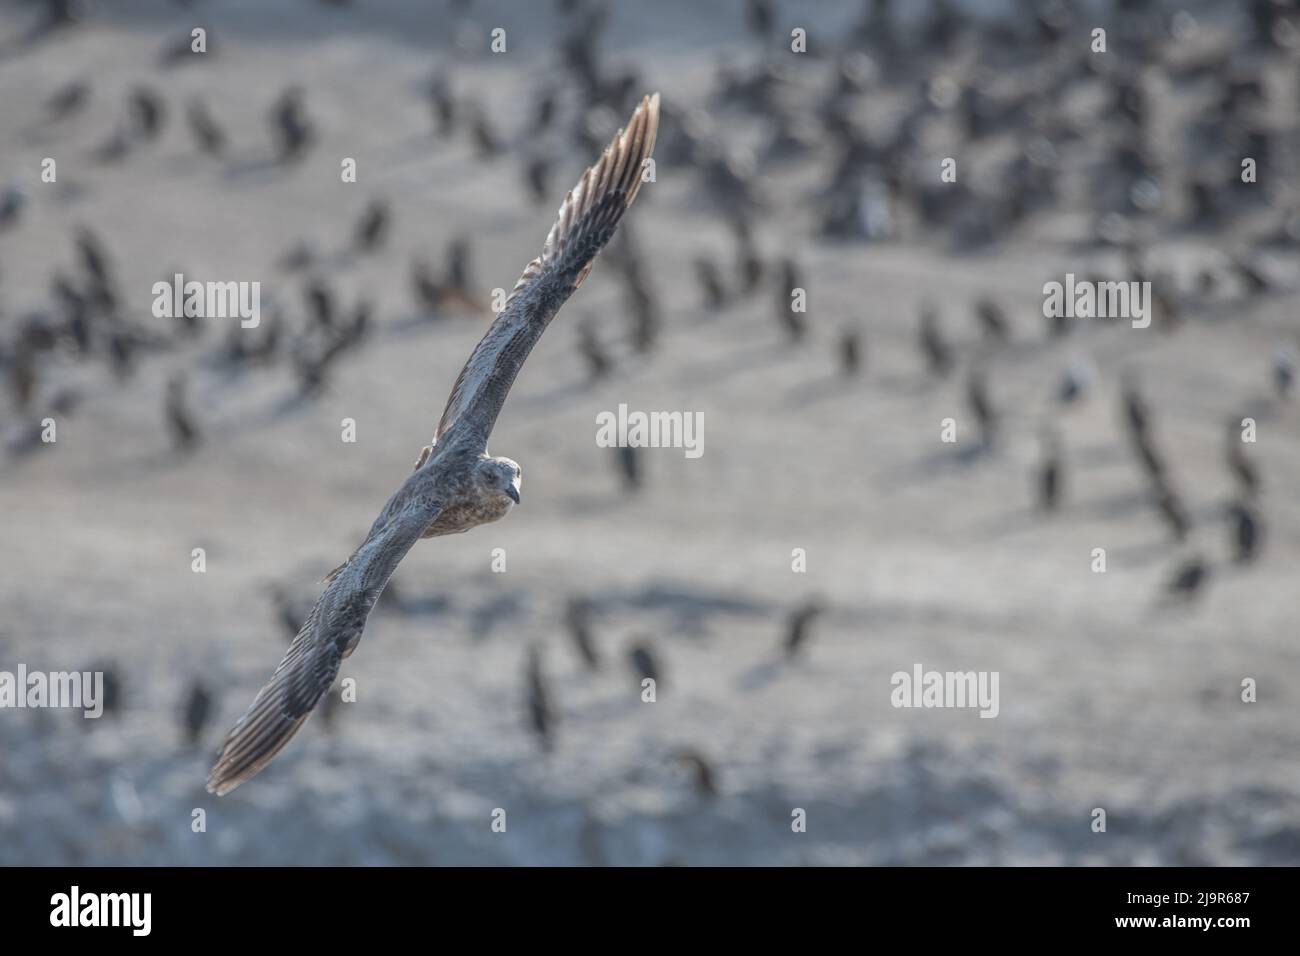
249	748
619	171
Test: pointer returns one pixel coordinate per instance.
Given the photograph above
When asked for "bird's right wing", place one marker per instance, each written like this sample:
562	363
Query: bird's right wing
586	222
330	633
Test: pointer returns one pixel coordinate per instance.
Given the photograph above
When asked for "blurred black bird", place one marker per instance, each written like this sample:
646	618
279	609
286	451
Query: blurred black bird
749	263
759	17
22	374
112	691
320	301
1189	578
93	257
1172	510
486	142
289	615
1049	472
459	269
577	617
710	279
436	297
185	434
629	466
1152	463
372	229
540	713
798	625
1075	383
121	353
794	323
1284	363
1252	279
293	130
428	292
1242	468
58	15
180	50
992	320
977	398
938	355
598	362
75	308
311	370
644	309
850	352
68	99
298	258
147	112
210	137
195	711
355	332
1245	531
1136	412
1165	312
703	776
113	149
191	326
443	101
544	110
643	663
537	174
12	202
266	349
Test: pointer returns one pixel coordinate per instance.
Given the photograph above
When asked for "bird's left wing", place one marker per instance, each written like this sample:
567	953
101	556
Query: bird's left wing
330	633
586	222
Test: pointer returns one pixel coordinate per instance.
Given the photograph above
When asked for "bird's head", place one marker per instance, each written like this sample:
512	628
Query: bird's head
500	476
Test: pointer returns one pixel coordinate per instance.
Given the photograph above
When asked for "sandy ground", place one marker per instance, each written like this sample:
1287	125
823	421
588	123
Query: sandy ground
922	552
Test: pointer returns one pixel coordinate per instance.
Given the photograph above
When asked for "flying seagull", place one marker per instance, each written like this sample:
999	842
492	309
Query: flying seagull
456	485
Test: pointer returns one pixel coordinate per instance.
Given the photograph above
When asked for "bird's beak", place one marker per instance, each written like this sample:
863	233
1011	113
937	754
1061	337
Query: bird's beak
513	492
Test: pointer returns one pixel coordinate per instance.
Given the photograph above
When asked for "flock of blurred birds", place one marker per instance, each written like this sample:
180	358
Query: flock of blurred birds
873	183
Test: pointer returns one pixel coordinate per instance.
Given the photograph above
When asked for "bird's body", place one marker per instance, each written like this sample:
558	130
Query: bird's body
479	503
456	485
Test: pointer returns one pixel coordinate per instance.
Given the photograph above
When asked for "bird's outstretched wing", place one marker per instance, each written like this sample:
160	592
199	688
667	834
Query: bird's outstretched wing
329	634
587	220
